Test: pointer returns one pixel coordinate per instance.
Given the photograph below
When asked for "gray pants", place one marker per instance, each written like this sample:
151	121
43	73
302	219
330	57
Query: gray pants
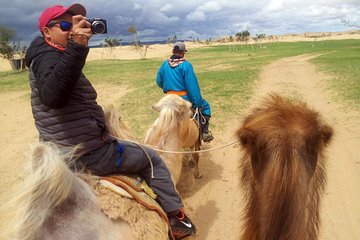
134	160
128	158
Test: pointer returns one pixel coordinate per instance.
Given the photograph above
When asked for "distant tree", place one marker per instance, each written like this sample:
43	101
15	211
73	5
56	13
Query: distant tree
232	45
109	44
351	24
9	50
132	29
112	42
243	36
141	50
6	34
260	36
258	39
172	39
271	38
208	41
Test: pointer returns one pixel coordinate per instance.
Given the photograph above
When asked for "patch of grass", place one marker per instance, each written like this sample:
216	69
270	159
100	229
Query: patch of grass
226	77
343	63
139	75
11	80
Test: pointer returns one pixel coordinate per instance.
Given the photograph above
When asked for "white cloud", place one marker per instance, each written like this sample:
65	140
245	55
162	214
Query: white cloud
275	5
199	13
137	6
147	32
191	34
242	26
166	8
210	7
196	16
124	20
158	19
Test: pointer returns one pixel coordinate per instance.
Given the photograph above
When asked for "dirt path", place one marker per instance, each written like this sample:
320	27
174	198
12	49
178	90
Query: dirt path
341	203
215	202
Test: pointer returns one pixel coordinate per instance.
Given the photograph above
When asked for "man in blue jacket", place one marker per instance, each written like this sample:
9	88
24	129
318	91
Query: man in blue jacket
177	76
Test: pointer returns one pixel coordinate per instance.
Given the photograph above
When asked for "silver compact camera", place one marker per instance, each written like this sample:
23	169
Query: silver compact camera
98	25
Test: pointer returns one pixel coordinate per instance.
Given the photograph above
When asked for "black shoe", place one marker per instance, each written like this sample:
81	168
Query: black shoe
181	227
207	136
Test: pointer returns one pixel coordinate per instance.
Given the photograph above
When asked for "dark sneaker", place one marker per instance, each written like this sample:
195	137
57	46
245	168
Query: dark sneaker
207	136
181	227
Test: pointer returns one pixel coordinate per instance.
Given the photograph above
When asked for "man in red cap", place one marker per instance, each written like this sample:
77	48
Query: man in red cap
66	112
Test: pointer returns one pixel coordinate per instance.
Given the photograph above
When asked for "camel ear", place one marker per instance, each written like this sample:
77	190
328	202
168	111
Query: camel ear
156	107
185	108
326	133
106	110
245	137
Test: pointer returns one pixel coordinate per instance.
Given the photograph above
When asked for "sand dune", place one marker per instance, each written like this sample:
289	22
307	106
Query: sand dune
163	50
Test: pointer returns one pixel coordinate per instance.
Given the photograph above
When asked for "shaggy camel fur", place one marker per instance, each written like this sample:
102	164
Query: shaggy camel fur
115	126
52	202
173	130
283	170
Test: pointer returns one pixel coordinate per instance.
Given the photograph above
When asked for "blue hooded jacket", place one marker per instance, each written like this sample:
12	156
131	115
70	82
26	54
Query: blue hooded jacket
178	75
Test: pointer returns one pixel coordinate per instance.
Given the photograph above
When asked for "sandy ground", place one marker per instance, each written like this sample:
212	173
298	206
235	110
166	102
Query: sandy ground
340	212
216	199
122	53
161	50
215	202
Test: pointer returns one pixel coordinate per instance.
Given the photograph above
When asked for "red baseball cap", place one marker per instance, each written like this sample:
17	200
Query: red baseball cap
58	10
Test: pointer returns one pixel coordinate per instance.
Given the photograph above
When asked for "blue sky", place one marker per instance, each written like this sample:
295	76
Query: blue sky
160	19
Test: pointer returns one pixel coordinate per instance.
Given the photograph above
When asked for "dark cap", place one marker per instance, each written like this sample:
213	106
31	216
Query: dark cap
179	46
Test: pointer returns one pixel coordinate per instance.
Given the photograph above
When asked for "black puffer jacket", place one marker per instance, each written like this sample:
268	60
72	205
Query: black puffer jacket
63	101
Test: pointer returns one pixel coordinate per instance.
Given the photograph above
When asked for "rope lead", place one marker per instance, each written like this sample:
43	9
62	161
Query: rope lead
179	152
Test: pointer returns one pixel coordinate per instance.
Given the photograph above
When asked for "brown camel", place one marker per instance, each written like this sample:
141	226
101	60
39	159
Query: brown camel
283	170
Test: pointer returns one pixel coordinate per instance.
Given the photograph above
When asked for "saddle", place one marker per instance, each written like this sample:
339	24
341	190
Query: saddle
133	187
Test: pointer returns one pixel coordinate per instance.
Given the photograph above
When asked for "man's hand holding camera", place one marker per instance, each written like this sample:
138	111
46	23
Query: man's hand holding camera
81	30
98	25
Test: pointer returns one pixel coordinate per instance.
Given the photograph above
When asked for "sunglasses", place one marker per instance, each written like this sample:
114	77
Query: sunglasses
64	26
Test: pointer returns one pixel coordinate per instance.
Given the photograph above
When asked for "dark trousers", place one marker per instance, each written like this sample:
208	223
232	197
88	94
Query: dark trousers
129	158
204	122
134	160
